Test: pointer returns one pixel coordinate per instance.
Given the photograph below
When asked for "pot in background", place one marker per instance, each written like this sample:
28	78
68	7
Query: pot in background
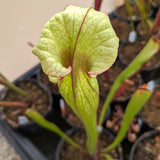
40	99
63	146
128	51
147	146
121	12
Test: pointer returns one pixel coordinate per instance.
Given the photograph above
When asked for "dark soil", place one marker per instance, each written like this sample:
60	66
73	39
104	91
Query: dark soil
52	86
121	28
107	78
68	152
149	149
129	51
144	31
151	110
38	100
122	11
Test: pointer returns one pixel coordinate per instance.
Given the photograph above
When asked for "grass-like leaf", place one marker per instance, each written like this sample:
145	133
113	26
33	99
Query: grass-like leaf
4	81
34	115
138	99
108	157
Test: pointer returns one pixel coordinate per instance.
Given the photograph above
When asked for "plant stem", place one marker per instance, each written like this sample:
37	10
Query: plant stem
97	4
128	6
31	44
138	4
13	104
147	7
143	15
156	22
95	157
123	87
4	81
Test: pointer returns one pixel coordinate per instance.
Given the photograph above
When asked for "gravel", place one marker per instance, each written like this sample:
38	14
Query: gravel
7	152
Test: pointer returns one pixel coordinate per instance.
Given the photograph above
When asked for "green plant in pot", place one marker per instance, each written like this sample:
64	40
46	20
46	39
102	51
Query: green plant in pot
146	28
5	82
75	46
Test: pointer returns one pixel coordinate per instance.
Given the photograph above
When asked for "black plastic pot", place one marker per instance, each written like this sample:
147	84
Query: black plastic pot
74	130
26	125
143	137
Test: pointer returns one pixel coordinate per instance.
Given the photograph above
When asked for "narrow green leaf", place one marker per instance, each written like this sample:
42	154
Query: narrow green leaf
150	49
138	4
75	46
129	10
150	23
143	15
138	99
4	81
34	115
108	157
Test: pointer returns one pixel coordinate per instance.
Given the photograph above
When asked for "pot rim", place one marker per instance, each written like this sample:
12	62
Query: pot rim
71	131
41	86
144	136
